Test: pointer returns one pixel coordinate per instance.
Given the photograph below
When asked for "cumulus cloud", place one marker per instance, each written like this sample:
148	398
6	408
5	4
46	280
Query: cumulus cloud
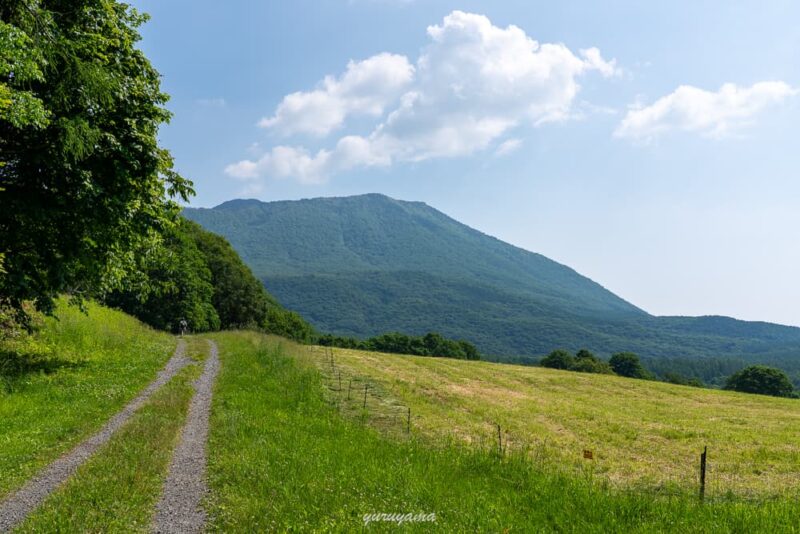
472	84
365	88
507	147
712	114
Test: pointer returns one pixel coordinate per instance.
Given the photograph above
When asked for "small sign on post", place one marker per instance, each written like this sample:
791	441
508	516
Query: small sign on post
587	454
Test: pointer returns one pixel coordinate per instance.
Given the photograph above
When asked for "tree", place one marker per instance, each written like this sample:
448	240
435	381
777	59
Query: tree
83	181
239	298
628	364
172	282
586	362
762	380
282	322
558	359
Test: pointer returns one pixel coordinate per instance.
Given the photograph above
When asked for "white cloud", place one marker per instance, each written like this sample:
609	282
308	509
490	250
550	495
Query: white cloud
283	162
472	84
712	114
595	60
507	147
365	88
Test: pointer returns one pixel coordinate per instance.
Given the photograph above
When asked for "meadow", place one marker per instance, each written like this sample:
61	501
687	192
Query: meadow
305	439
287	453
643	435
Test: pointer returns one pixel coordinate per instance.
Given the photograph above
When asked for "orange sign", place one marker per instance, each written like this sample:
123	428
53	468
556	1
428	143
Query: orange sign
588	455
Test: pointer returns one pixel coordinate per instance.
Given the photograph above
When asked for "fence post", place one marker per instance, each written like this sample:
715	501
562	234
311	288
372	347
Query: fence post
703	474
365	395
499	440
408	425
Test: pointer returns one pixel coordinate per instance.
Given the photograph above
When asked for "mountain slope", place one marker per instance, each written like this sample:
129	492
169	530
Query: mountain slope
367	264
375	233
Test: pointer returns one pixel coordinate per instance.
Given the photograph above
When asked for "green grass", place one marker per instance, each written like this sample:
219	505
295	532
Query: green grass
64	382
644	435
283	459
117	489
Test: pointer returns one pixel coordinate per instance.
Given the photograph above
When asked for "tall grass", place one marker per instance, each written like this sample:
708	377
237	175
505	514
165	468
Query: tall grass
282	458
65	381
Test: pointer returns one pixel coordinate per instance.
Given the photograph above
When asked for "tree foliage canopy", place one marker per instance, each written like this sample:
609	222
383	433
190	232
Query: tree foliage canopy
83	182
194	275
583	362
628	364
431	344
761	379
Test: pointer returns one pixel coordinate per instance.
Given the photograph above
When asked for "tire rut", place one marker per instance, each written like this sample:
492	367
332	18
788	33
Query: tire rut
180	508
17	506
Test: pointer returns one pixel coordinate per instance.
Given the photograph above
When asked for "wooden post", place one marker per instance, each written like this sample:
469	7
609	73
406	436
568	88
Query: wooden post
408	424
365	395
499	440
703	474
349	388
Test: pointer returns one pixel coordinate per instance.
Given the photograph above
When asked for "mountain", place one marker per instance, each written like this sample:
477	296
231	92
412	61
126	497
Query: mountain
368	264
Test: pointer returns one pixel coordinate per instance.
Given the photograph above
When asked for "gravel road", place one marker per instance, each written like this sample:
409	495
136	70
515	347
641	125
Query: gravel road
16	507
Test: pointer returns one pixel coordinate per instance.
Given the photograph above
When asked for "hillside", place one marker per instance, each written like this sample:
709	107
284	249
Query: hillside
367	264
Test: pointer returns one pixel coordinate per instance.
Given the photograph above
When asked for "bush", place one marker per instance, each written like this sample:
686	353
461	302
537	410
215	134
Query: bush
558	359
628	364
762	380
586	362
282	322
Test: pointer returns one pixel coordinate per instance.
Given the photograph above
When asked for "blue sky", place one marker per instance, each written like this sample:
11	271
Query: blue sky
652	146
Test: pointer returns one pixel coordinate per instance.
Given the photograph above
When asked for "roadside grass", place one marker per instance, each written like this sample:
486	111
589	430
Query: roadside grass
65	381
281	458
118	488
643	435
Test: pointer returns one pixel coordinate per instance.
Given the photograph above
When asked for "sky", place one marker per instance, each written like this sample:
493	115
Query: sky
651	146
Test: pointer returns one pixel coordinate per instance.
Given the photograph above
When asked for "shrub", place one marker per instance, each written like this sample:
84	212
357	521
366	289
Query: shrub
762	380
628	364
558	359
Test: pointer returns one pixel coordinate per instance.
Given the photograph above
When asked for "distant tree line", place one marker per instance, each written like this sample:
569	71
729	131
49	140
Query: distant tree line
758	379
431	344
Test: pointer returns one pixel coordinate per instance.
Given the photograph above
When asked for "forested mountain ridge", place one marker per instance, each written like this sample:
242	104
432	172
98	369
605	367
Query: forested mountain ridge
374	233
369	264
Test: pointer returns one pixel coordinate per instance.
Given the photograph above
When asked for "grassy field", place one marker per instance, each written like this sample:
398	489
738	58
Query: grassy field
66	381
283	458
643	435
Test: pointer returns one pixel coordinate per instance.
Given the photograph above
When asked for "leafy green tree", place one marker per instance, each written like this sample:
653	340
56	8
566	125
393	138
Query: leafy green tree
558	359
282	322
628	364
586	362
83	181
761	379
172	282
239	298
